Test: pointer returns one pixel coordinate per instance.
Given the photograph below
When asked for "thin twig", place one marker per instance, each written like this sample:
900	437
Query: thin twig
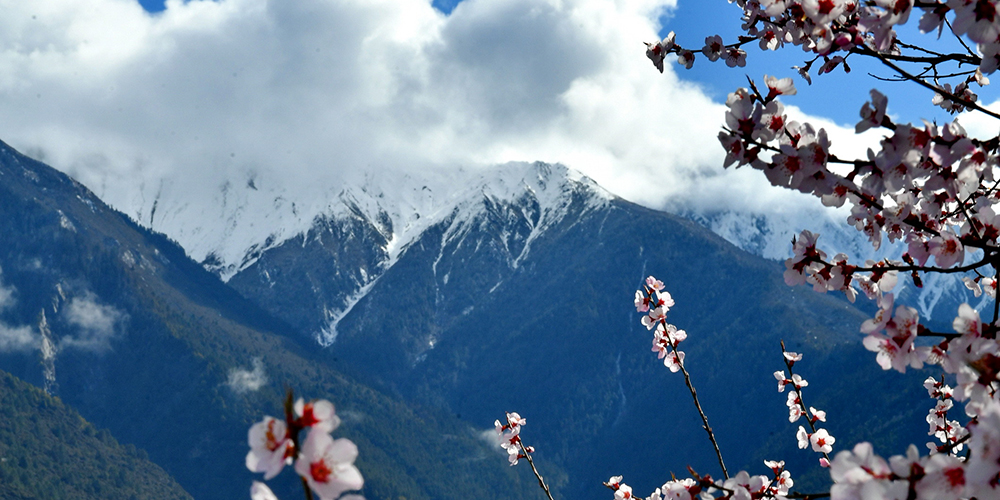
948	95
524	451
808	414
305	486
697	404
541	482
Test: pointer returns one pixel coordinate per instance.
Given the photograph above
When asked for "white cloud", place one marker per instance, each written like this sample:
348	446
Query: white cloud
18	338
14	338
243	381
96	324
6	294
489	436
192	104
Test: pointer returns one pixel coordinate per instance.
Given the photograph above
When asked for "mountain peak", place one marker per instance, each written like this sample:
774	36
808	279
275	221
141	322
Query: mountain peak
399	206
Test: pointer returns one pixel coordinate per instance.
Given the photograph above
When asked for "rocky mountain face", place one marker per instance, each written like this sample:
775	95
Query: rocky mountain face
515	295
122	326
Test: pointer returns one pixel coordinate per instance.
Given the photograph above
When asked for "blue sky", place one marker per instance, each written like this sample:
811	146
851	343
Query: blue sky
152	5
837	95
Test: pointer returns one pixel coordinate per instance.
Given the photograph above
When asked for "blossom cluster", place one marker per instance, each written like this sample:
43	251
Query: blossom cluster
819	439
742	486
655	301
509	435
325	464
934	189
950	433
930	186
834	30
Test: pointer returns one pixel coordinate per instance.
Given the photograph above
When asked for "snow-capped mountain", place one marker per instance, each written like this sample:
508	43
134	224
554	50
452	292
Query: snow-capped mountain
363	232
507	289
513	291
121	325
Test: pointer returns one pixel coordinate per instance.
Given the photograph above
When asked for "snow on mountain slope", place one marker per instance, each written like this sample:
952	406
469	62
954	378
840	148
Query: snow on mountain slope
537	194
246	218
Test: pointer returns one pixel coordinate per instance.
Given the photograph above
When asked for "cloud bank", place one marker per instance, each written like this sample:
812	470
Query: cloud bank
184	115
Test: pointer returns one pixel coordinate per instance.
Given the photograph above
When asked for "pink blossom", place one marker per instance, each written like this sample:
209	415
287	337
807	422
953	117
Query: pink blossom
773	7
260	491
685	58
990	287
984	446
783	482
641	301
782	381
516	421
873	112
624	492
771	122
778	86
933	19
656	52
961	91
318	414
803	437
654	284
676	490
514	455
794	407
713	48
673	361
991	57
823	11
895	349
664	299
654	317
857	470
270	447
976	18
817	415
946	249
882	317
944	477
328	464
736	57
967	322
770	40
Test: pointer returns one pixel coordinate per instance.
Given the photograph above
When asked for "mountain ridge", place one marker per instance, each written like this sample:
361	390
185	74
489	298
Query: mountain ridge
160	375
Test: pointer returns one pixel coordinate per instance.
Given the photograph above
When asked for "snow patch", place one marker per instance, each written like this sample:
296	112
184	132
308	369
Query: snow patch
328	335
